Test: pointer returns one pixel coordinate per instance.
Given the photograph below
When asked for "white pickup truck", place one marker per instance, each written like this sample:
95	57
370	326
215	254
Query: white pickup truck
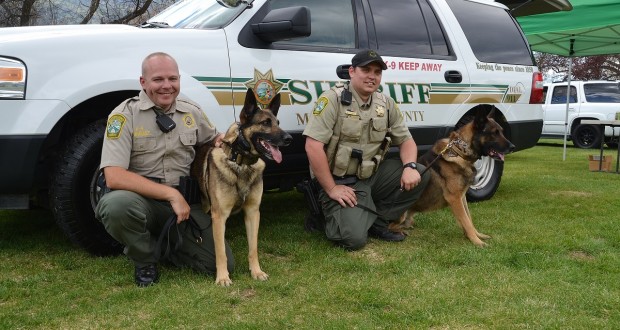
596	99
59	83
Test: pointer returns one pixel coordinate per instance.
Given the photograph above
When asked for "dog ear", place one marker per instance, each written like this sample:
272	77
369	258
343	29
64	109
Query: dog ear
491	113
274	105
249	107
481	119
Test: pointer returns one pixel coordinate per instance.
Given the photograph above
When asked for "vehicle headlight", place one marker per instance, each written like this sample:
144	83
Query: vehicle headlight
12	79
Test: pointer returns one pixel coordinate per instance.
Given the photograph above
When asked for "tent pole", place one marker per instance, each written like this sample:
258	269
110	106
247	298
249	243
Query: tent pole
570	64
570	67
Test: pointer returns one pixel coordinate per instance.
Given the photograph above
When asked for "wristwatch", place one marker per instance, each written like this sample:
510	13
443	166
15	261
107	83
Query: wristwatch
411	165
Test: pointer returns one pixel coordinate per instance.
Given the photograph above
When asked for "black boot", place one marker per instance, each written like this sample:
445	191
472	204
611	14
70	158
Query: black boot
146	275
385	234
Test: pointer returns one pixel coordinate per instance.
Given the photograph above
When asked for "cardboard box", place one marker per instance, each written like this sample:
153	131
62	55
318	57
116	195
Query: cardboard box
594	163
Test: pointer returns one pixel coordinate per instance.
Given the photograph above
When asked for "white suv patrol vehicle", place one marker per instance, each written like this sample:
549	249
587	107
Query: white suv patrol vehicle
594	99
446	59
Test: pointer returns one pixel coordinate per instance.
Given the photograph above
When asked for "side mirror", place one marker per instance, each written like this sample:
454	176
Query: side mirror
284	23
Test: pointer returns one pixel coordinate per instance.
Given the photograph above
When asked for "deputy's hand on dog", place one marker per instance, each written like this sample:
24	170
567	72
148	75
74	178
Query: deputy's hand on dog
344	195
218	140
410	179
180	208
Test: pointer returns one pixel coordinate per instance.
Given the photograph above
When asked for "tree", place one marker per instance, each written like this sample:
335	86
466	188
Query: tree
603	67
54	12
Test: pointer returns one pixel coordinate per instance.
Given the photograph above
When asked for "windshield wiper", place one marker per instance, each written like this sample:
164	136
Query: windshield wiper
150	25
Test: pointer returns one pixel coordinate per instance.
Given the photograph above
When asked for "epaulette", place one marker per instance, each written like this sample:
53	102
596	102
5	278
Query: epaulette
382	97
188	103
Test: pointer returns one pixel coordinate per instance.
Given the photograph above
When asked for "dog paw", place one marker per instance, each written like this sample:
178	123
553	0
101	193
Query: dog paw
260	275
223	281
483	236
480	243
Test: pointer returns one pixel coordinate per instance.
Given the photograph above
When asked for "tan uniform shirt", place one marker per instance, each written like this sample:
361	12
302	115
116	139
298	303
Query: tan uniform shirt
360	126
134	141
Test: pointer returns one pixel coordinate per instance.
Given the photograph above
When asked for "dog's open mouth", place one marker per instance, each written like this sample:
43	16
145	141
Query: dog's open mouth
270	151
496	155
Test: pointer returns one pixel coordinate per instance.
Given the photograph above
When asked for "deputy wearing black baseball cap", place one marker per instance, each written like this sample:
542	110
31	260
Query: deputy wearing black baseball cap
347	139
366	57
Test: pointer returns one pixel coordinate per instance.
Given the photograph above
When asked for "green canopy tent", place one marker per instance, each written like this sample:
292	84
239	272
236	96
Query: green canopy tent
591	28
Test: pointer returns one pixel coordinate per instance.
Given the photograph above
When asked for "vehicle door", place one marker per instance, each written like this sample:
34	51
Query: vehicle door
300	69
426	74
555	109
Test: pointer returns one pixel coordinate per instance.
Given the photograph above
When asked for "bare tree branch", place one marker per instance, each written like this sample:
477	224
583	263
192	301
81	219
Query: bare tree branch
94	5
605	67
139	10
26	12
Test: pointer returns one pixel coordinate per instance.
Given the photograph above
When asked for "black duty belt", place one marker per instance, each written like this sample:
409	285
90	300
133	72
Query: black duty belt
346	180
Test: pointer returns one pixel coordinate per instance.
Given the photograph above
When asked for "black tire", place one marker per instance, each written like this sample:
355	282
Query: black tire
488	174
587	136
488	177
74	191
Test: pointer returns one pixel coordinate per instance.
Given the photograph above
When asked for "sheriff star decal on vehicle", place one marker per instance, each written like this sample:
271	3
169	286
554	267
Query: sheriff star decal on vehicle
265	86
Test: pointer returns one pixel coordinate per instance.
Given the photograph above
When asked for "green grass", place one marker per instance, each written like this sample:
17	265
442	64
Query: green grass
553	263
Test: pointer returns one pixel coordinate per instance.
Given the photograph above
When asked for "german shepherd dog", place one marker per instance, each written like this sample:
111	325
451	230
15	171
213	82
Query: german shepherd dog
231	177
451	165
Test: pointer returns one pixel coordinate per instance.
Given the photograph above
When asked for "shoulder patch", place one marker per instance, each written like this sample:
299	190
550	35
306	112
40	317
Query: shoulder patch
320	105
115	126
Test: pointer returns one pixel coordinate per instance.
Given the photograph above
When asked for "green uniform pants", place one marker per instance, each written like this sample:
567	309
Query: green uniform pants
348	226
137	222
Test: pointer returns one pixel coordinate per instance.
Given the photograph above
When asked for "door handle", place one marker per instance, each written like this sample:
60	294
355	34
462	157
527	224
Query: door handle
453	76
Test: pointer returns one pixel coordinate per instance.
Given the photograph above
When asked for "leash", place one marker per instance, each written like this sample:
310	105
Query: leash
165	235
449	146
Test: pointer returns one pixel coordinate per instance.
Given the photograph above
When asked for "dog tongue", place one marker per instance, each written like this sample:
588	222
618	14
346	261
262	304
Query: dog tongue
275	153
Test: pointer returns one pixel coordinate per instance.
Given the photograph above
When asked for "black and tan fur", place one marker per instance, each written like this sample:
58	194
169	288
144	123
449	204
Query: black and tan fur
231	177
452	171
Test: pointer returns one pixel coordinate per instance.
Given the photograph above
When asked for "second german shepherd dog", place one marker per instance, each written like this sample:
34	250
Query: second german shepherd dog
231	177
451	165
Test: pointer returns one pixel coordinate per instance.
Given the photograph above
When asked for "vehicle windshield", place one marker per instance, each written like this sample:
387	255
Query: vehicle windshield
199	14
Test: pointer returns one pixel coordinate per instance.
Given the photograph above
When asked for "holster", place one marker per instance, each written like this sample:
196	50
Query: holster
189	188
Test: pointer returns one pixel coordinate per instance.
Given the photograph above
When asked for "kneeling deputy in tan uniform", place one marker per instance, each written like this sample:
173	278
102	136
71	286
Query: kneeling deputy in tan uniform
347	138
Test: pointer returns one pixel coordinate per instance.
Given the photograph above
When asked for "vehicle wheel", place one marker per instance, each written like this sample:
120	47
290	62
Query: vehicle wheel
488	174
587	136
74	192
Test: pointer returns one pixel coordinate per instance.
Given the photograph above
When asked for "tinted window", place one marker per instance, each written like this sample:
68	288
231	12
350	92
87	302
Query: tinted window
408	27
493	34
559	95
602	93
331	20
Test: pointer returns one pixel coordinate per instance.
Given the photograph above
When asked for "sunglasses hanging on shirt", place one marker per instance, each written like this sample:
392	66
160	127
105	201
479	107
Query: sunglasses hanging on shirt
165	123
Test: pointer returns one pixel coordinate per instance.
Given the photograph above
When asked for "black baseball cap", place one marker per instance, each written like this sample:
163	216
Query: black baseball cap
367	56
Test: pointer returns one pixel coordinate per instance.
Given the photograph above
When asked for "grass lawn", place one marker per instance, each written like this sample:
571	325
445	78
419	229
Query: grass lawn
553	263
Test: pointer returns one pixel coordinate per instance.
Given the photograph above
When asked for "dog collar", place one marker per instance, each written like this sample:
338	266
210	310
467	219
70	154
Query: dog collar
457	148
239	150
